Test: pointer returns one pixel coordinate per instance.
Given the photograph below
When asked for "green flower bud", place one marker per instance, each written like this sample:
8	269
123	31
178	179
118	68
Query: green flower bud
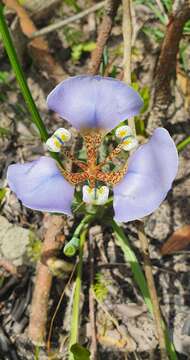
71	247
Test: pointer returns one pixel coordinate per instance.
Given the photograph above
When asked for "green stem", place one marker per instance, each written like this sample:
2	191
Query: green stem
76	300
132	260
86	220
20	76
140	280
72	246
183	144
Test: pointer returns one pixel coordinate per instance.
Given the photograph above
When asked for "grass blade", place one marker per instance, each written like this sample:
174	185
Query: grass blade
140	280
76	300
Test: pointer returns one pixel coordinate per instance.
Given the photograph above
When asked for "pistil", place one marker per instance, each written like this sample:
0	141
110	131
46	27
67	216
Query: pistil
91	171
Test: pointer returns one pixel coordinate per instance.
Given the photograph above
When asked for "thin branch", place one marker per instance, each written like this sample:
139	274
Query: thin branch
43	281
129	342
151	285
104	33
166	69
127	42
8	266
56	310
64	22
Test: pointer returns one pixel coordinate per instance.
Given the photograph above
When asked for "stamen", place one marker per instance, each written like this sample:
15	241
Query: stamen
57	140
123	131
129	143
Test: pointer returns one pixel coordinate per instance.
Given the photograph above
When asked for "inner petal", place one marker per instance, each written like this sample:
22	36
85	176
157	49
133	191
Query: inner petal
96	196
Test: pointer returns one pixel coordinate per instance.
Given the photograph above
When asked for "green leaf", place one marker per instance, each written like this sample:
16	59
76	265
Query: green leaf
78	49
3	77
2	194
37	353
89	46
4	132
76	52
100	287
158	13
80	352
72	35
73	4
156	33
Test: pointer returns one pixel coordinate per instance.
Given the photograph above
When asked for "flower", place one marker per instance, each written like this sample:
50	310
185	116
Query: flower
94	106
151	171
94	102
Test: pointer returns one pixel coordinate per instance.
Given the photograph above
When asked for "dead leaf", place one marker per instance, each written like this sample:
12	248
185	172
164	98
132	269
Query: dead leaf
38	47
183	82
177	241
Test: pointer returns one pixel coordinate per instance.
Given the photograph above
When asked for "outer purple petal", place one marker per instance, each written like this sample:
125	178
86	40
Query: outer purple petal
40	186
152	169
94	101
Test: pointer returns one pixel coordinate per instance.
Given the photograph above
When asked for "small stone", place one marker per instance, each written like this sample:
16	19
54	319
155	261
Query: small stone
13	241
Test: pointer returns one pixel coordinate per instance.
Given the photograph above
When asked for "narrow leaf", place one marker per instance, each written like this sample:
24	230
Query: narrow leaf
140	281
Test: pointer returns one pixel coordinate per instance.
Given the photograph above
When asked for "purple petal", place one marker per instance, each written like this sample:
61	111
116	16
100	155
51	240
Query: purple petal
152	169
40	186
94	101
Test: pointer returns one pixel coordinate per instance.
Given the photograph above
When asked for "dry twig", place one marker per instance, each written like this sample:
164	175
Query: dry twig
8	266
127	40
38	316
104	33
67	21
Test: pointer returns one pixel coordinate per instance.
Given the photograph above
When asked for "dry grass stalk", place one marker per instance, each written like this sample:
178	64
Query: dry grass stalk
38	316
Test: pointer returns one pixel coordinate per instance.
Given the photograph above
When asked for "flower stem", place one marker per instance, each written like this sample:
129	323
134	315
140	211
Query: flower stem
141	282
20	76
76	300
182	145
72	246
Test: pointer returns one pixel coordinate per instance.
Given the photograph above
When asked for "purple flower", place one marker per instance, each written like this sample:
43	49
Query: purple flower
151	171
40	186
92	104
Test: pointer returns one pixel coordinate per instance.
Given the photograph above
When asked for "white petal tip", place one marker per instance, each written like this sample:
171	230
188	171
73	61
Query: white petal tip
95	196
